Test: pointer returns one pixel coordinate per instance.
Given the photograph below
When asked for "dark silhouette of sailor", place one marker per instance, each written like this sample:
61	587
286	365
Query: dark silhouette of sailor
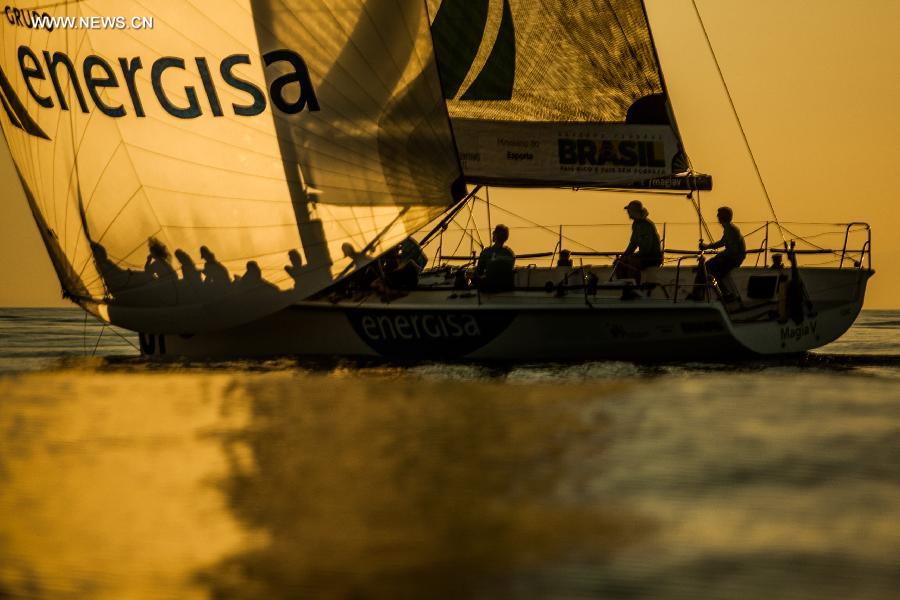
253	280
158	266
115	277
496	265
191	284
360	259
215	275
296	267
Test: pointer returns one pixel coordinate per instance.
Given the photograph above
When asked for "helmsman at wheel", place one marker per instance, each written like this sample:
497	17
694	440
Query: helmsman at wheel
725	261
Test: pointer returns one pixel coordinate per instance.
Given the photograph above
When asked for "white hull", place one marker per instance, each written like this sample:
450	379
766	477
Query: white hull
538	326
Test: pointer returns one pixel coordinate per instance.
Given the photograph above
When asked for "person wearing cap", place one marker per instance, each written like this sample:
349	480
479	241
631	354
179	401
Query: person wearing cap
496	264
734	253
644	249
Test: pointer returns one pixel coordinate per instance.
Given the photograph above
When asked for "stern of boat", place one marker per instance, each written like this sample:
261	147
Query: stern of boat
834	300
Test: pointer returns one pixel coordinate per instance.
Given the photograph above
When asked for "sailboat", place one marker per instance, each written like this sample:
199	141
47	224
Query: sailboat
228	180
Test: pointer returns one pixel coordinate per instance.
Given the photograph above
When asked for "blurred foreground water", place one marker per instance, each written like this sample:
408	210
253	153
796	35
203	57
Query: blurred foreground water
124	479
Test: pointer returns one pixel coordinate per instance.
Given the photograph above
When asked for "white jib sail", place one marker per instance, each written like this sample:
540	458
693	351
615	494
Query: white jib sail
196	164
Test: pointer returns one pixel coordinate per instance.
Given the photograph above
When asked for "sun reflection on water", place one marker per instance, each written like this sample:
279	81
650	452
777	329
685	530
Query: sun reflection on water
283	484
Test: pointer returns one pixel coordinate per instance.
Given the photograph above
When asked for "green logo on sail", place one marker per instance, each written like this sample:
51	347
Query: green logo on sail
459	31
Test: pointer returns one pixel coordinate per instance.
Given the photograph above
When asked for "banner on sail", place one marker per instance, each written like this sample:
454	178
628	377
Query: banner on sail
570	154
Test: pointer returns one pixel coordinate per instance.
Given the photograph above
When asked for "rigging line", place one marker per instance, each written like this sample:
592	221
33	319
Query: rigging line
544	227
487	196
448	217
464	230
465	233
125	339
474	221
814	245
737	118
374	242
703	224
806	238
99	337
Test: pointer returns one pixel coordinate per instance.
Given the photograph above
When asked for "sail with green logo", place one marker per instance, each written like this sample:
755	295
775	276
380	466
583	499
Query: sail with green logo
557	94
212	162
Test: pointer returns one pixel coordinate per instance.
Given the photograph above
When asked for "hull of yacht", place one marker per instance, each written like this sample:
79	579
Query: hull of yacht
531	325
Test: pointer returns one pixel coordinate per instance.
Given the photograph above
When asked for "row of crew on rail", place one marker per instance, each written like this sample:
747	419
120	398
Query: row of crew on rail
495	268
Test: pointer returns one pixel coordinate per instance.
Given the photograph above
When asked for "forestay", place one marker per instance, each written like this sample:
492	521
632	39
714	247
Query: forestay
235	157
556	93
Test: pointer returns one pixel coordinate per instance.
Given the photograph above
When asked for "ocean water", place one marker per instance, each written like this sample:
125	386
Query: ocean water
280	479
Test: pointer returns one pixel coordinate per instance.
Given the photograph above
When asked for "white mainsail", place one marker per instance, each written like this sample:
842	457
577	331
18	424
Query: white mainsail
235	157
556	93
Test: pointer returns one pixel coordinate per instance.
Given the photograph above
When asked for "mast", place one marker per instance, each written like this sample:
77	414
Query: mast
312	234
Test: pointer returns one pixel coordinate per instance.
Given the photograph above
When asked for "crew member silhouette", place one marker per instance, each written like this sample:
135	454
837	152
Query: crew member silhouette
295	268
644	249
191	284
115	277
158	266
360	259
215	275
252	280
725	261
496	265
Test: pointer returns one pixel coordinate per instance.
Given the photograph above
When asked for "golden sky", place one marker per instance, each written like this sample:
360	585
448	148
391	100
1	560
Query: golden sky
817	88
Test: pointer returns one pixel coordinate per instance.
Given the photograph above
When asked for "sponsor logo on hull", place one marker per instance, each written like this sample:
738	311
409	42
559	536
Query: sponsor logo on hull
419	334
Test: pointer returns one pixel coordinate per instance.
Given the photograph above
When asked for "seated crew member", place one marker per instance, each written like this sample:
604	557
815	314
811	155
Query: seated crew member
565	259
496	264
644	249
725	261
411	250
403	265
158	266
777	262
